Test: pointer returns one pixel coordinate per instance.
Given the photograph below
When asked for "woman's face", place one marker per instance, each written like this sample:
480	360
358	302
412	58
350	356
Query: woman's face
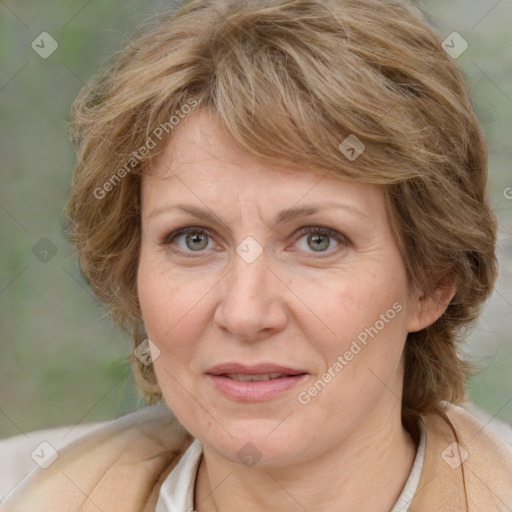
290	273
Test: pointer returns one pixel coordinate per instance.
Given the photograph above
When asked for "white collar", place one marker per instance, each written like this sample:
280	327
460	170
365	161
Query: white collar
177	491
410	487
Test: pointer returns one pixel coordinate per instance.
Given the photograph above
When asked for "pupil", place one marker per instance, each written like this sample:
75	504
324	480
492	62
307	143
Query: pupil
197	238
317	241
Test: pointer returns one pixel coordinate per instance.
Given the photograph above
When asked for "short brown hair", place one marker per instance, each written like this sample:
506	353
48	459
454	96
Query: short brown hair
290	80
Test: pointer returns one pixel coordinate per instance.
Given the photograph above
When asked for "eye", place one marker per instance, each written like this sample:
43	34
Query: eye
193	239
319	239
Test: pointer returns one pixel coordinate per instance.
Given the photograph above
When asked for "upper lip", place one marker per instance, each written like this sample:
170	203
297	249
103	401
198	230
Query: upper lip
257	369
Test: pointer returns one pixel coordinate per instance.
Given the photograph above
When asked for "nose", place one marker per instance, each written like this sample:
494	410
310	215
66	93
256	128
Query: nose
252	303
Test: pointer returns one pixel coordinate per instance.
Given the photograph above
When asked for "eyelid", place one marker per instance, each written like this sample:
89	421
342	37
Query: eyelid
339	237
167	239
174	233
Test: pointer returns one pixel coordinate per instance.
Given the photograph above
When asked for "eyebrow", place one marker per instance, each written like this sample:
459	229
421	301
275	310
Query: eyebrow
284	216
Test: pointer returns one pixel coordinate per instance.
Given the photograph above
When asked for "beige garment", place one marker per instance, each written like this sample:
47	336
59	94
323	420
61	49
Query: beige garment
120	466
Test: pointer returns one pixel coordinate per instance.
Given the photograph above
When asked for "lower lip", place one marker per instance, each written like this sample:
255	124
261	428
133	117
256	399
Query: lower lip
255	391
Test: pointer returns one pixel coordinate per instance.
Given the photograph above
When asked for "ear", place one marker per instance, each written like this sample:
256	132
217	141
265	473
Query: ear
428	308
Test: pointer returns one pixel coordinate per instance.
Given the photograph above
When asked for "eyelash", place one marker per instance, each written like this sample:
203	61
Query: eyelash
170	237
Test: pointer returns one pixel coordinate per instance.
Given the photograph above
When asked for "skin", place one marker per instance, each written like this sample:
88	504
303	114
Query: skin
294	306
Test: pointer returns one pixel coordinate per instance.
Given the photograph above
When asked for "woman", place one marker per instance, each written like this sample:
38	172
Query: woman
284	203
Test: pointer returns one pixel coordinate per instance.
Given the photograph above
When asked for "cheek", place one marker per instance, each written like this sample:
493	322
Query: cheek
361	361
348	304
365	312
170	310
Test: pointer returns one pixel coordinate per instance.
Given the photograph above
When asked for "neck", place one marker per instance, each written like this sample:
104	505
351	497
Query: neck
377	455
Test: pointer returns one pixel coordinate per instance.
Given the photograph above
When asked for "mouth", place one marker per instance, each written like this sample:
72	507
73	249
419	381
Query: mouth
254	383
271	369
254	378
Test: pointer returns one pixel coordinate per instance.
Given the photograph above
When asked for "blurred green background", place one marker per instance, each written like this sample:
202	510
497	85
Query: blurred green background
61	363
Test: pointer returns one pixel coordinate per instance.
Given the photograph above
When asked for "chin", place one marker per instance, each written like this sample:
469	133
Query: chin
258	443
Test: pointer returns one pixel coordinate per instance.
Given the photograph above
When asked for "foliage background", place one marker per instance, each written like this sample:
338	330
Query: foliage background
61	363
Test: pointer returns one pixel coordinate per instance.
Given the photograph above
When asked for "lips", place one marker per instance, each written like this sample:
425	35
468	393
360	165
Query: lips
254	370
251	383
254	378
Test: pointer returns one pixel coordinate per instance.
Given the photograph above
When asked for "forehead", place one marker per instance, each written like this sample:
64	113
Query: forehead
202	139
202	158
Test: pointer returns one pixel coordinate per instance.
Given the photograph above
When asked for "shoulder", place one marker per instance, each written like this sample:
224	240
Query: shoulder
25	452
488	463
497	427
486	438
144	442
466	463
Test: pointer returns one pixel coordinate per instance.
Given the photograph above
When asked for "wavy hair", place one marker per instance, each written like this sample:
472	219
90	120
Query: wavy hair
290	80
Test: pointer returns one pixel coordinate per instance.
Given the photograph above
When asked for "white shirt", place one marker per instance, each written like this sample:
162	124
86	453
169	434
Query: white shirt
177	491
